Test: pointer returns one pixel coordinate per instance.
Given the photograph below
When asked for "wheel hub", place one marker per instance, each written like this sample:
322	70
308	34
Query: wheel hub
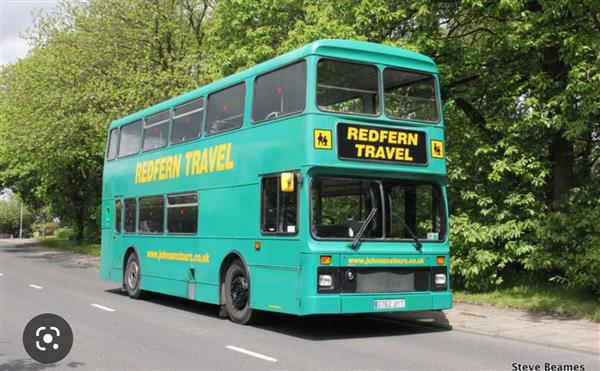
239	292
132	275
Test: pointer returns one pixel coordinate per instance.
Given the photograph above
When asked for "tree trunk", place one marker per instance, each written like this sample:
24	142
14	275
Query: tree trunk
561	152
79	225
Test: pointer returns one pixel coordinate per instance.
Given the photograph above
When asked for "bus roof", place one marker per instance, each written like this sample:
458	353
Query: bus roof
358	50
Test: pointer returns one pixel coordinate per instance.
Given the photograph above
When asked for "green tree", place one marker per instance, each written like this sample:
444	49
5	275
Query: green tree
92	62
10	218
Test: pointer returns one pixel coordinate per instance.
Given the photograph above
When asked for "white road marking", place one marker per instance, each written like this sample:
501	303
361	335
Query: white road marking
250	353
1	274
102	307
35	286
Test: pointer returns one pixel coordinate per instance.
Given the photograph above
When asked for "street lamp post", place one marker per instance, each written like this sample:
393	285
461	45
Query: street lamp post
21	222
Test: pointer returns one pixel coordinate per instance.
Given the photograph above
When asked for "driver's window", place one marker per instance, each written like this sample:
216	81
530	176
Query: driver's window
225	109
341	206
279	93
279	207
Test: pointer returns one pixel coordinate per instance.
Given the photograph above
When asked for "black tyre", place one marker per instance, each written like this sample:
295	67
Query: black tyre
237	295
132	278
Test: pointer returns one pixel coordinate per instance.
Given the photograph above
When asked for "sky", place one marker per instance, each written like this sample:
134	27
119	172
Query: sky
15	18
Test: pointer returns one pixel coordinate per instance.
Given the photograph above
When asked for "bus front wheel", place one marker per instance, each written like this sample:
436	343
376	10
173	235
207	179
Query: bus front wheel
237	294
132	277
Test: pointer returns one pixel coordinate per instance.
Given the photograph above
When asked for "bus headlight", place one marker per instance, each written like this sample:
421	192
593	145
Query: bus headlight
325	280
440	279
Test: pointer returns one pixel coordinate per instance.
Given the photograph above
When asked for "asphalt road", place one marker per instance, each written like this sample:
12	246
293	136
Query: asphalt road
112	331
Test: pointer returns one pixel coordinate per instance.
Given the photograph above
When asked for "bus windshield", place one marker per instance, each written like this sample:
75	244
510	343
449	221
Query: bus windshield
340	207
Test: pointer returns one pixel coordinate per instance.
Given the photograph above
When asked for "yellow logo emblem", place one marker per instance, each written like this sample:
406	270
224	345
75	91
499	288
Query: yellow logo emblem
322	139
437	149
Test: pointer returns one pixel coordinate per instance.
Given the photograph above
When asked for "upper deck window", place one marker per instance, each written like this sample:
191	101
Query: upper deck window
279	93
112	144
130	139
409	95
187	121
225	109
347	87
156	130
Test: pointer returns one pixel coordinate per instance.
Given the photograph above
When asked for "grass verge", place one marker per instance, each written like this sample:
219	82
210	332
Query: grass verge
539	298
67	245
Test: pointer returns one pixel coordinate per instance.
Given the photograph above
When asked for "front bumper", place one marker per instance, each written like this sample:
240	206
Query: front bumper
364	303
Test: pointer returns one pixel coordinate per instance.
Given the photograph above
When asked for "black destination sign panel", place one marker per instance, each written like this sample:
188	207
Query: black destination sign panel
375	143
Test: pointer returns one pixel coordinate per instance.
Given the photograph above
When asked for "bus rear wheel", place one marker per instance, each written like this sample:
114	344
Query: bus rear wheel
132	277
237	295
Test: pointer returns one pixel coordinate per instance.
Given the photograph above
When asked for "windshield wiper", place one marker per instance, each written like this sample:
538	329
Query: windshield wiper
418	243
362	229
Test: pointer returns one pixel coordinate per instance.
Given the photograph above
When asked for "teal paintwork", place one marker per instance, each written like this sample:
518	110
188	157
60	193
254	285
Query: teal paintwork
283	272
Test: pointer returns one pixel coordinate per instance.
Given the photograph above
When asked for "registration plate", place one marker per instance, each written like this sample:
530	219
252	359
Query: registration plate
389	304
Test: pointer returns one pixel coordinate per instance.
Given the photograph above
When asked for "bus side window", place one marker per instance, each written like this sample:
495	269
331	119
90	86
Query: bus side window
118	213
279	210
130	213
182	213
152	215
130	139
279	93
187	121
112	144
156	130
225	109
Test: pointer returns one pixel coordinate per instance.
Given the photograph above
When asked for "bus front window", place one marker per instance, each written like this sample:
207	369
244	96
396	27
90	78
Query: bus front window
340	206
414	207
347	87
409	95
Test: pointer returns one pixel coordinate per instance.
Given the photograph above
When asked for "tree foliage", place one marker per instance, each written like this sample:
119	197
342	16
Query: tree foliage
520	84
10	218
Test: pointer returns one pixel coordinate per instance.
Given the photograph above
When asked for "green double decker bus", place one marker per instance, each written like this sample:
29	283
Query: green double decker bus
313	183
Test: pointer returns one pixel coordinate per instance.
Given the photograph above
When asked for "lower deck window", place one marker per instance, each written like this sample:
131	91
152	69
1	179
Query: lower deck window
182	213
130	213
152	215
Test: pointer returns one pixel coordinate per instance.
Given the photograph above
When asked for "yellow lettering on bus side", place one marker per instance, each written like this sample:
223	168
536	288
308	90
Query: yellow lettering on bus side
213	157
176	166
221	157
138	173
380	152
169	167
204	161
228	163
196	169
162	168
352	133
369	151
188	162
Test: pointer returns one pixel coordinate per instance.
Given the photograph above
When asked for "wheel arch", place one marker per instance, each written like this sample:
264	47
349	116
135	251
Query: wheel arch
230	258
130	250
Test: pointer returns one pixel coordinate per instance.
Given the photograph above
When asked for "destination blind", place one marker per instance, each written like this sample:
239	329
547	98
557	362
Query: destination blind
375	143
